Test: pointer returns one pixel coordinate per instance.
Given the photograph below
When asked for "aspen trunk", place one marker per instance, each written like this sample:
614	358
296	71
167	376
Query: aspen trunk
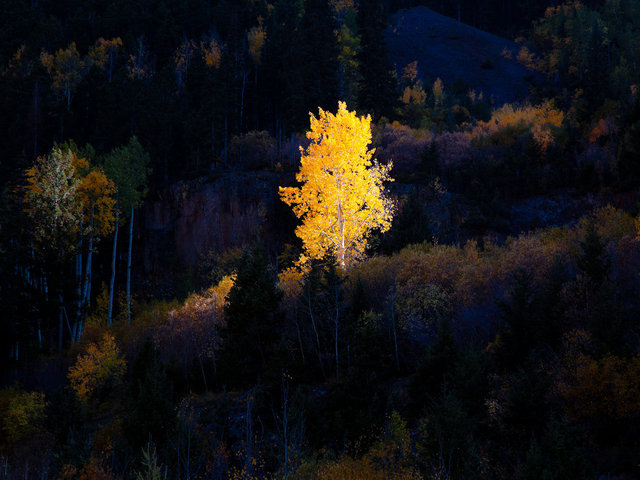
393	326
113	267
129	267
337	324
61	325
86	294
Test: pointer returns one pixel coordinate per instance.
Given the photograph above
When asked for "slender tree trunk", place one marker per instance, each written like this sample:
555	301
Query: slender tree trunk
226	142
285	424
79	271
60	327
35	122
244	81
113	266
129	267
393	325
337	324
86	294
315	330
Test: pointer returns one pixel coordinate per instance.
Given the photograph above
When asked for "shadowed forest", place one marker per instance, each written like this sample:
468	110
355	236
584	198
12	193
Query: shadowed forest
319	239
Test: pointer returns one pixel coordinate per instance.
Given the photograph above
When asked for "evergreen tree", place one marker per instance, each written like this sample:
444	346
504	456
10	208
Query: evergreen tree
319	67
409	227
378	86
594	261
252	334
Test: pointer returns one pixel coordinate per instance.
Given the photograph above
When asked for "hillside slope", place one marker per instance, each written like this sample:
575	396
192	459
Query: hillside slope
454	51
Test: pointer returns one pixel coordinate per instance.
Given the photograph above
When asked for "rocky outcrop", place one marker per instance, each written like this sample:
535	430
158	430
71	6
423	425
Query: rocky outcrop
190	219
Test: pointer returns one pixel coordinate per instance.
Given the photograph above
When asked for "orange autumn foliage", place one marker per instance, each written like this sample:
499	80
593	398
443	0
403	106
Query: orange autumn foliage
100	363
96	193
539	119
192	329
211	53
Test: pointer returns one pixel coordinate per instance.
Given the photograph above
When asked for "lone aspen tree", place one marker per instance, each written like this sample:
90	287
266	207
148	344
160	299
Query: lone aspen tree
342	198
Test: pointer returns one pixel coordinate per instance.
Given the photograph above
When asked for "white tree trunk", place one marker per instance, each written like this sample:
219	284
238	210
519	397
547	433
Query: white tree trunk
113	267
86	293
129	267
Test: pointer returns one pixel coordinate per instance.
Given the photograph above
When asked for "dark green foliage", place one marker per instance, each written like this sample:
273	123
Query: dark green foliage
525	324
436	367
528	405
594	261
377	90
251	347
317	79
348	412
410	226
445	437
150	414
558	454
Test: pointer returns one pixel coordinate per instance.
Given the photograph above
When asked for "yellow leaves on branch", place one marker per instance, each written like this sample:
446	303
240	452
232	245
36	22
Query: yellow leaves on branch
66	68
97	192
93	369
256	38
104	51
23	415
342	199
211	53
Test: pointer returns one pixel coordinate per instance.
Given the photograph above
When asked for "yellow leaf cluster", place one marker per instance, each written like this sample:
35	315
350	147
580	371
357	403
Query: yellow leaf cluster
138	65
24	414
256	37
438	91
414	94
101	361
96	192
103	50
65	68
182	55
342	197
211	53
410	72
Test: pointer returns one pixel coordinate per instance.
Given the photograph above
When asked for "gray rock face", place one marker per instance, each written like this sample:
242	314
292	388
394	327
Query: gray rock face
188	220
451	50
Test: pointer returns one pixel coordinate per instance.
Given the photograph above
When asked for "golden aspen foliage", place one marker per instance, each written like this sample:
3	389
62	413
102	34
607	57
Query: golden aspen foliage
23	415
182	58
342	197
410	72
100	363
51	196
96	193
19	64
414	94
66	68
541	120
211	53
438	91
104	51
256	38
139	63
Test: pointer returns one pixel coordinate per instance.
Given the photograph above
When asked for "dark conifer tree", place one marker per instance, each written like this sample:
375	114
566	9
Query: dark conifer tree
251	336
378	86
315	83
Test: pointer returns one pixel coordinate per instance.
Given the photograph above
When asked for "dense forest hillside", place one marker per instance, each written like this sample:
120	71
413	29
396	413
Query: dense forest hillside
319	239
